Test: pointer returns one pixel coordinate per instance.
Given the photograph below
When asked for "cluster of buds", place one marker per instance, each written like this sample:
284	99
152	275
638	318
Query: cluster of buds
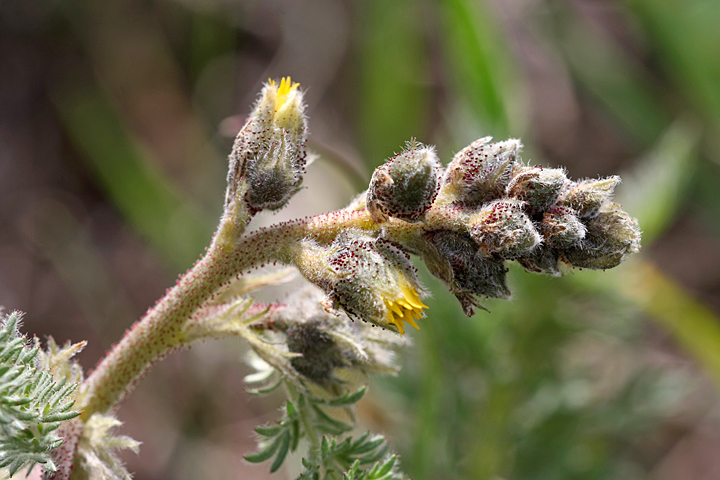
464	221
268	158
485	209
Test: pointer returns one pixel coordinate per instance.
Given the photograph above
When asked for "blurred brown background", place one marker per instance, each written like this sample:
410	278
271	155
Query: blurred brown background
116	118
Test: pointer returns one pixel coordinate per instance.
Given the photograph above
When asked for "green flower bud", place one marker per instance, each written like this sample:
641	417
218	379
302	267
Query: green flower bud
376	281
586	197
543	259
455	260
406	185
611	236
538	187
502	228
480	172
269	156
561	228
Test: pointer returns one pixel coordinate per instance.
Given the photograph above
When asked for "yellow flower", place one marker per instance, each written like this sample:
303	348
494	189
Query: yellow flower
285	93
371	279
405	307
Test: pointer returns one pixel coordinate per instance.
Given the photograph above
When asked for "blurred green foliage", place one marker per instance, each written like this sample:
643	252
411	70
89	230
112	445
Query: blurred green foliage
519	392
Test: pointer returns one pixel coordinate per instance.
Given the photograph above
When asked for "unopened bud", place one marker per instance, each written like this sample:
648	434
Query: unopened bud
543	259
334	354
586	197
320	354
480	172
269	152
406	185
611	236
538	187
468	274
561	228
502	228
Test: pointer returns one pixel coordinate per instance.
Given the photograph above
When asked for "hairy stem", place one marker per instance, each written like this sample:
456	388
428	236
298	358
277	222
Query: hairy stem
275	243
160	330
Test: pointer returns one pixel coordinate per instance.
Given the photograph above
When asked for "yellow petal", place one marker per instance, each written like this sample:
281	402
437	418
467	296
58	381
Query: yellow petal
412	322
284	91
405	304
395	308
412	297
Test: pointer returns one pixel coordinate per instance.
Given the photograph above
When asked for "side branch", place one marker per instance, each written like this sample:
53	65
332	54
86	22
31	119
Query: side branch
160	330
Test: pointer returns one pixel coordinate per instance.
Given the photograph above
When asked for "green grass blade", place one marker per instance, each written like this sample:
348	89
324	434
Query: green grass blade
131	180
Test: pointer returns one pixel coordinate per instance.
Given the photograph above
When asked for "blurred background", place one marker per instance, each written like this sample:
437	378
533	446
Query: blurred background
116	118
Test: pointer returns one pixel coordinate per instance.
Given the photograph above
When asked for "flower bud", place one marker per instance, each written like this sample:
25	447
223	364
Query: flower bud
480	172
334	354
269	152
455	260
588	196
502	228
543	259
376	281
561	228
538	187
611	236
320	354
406	185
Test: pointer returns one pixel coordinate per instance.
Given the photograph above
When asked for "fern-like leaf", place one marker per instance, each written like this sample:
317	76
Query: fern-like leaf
32	402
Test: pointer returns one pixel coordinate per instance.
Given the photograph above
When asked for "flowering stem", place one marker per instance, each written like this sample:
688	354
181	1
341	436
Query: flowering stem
276	243
161	330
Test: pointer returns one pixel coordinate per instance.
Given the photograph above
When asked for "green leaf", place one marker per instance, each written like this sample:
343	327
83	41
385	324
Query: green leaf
330	424
265	454
268	431
376	455
480	62
654	190
346	399
294	434
131	177
266	390
392	100
325	452
59	417
282	452
385	468
350	475
368	446
32	404
290	409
